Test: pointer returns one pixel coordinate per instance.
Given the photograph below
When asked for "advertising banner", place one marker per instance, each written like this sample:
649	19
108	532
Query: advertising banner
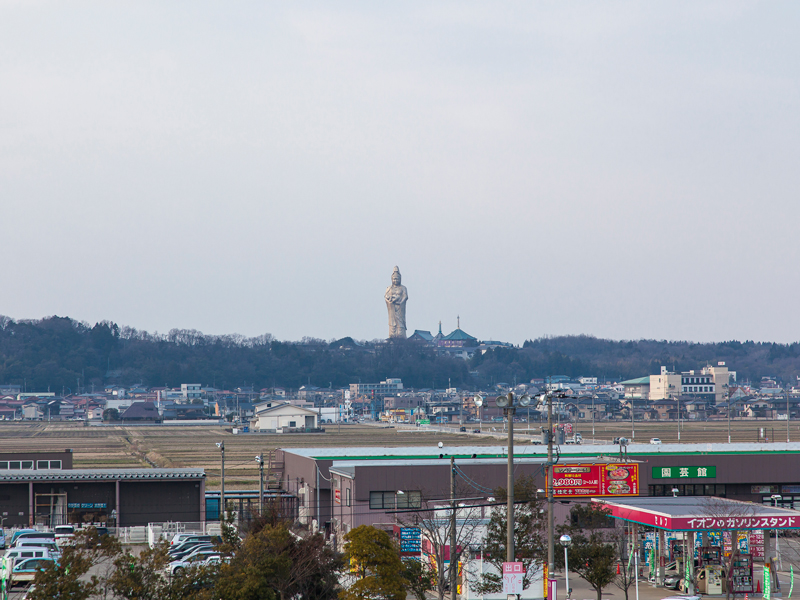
585	481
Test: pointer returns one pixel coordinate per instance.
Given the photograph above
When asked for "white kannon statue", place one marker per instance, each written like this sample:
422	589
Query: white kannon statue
396	297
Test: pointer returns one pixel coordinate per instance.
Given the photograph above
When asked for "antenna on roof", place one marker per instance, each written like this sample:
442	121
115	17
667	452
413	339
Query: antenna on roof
458	321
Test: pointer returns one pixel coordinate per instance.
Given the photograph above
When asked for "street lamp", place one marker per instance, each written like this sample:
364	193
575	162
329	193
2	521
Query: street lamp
260	461
221	446
775	498
509	404
479	402
728	399
566	541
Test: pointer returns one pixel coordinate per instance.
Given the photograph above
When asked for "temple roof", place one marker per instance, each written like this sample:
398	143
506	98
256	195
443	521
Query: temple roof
459	334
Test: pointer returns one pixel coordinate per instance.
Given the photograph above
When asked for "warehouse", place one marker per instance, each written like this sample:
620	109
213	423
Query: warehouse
43	489
321	477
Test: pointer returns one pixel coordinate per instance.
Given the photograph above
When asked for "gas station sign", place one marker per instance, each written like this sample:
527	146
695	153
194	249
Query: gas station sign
585	481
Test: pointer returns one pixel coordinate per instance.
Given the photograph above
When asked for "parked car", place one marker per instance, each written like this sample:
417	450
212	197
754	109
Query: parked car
655	441
27	552
51	546
179	538
184	550
33	534
2	538
19	532
673	580
24	571
64	534
177	567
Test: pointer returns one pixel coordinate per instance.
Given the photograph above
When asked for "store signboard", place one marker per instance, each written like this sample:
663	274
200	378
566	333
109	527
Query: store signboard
704	523
685	472
410	540
86	505
586	481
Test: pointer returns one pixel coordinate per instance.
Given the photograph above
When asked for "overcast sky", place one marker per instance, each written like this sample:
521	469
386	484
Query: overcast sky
621	169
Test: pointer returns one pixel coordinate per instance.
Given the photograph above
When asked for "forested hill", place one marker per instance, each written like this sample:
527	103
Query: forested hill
59	353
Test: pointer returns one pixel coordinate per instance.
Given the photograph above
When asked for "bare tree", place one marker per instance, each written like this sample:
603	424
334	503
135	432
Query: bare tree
434	521
530	537
626	576
725	514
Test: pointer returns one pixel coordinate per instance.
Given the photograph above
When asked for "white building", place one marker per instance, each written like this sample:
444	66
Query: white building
190	391
275	416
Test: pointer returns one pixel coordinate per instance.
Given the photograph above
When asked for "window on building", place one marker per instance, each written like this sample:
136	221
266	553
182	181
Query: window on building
409	500
14	465
376	501
42	464
392	500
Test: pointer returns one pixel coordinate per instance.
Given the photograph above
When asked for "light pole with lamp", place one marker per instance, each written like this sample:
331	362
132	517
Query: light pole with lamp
566	541
221	446
728	398
775	499
509	404
787	414
479	402
260	461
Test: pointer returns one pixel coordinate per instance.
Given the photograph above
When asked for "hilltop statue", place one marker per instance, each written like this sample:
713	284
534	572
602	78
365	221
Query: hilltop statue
396	297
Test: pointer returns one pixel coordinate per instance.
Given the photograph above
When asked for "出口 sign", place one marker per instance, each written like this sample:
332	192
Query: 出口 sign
513	574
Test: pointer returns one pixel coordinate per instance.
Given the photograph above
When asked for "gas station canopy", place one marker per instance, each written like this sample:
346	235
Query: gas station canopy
700	513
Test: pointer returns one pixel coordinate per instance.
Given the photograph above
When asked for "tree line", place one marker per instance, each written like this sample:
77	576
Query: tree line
61	354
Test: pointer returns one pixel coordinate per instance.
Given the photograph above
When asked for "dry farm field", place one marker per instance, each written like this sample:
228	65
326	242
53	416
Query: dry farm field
192	446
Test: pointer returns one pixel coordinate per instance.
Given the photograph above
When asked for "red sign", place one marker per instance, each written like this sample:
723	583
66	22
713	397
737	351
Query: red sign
337	496
701	523
585	481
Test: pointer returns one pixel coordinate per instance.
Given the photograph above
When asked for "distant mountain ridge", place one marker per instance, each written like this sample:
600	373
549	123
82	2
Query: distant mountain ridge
59	353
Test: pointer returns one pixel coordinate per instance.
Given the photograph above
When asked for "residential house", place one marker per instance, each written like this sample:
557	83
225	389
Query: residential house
141	411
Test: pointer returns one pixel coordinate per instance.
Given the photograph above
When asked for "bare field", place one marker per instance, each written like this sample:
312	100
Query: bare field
130	447
144	446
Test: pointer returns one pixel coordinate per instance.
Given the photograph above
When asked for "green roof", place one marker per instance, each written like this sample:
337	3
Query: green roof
640	381
459	334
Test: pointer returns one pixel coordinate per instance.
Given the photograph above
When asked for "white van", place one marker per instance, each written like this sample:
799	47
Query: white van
50	545
28	552
38	535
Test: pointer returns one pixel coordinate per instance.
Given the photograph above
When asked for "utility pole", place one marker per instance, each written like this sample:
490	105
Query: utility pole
221	446
510	411
260	461
509	405
453	554
550	522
